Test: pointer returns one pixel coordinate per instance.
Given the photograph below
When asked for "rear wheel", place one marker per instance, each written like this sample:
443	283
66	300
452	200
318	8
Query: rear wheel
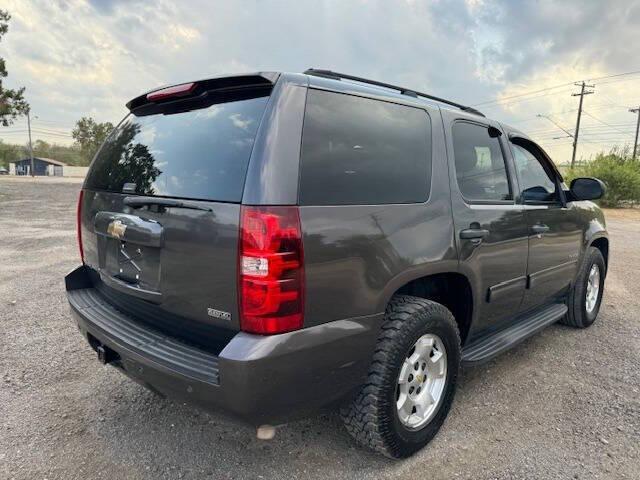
411	381
586	295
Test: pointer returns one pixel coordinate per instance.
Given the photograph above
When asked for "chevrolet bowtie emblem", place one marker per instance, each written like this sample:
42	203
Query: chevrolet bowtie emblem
116	229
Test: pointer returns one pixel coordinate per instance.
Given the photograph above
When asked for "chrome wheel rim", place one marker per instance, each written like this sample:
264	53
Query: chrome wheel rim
593	288
421	382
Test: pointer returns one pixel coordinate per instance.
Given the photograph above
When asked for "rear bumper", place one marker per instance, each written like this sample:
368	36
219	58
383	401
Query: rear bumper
261	379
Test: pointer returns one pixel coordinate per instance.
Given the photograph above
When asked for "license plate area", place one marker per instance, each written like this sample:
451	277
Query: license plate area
129	250
135	264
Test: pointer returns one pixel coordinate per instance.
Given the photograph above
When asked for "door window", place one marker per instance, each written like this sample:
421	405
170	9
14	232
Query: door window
480	165
536	183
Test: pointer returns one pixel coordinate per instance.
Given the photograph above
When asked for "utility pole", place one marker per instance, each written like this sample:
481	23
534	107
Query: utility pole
33	173
635	144
575	136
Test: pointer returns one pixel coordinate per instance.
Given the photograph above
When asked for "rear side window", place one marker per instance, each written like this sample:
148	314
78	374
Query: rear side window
480	165
359	151
201	154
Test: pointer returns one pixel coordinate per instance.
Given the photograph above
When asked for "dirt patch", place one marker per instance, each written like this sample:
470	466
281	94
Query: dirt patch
632	214
565	404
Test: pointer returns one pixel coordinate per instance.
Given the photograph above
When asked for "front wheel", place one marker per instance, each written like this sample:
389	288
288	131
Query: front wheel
411	381
586	295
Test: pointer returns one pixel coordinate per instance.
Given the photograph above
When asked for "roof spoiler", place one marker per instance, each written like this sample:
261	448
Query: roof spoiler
404	91
220	85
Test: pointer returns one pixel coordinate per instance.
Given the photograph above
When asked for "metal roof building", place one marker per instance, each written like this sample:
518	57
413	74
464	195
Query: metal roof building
41	166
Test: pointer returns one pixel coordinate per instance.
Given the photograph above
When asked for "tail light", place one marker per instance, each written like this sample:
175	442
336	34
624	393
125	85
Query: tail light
79	224
176	91
271	270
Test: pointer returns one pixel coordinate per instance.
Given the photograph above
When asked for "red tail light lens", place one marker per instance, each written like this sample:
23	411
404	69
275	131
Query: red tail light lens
79	224
271	270
175	91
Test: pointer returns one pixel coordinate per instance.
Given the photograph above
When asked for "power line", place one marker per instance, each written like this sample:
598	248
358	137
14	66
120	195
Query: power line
513	99
618	80
588	129
54	122
612	102
533	92
557	125
635	72
603	122
53	132
40	130
49	127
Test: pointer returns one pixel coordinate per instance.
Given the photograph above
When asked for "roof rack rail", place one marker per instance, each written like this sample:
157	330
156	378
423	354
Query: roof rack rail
404	91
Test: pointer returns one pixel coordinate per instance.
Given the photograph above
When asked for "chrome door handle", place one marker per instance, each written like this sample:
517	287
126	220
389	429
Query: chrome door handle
474	233
539	229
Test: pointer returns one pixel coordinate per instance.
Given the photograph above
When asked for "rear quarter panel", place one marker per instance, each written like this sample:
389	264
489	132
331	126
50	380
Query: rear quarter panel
357	256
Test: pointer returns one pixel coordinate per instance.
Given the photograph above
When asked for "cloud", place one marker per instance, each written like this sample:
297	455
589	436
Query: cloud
90	57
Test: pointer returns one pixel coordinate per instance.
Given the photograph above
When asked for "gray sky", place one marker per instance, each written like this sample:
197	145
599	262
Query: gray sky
87	58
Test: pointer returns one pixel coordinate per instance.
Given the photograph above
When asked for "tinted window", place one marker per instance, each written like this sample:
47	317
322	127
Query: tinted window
480	167
535	182
362	151
199	154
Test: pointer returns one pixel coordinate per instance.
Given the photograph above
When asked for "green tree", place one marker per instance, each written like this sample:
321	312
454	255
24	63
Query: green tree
12	102
67	154
89	135
9	153
124	161
618	171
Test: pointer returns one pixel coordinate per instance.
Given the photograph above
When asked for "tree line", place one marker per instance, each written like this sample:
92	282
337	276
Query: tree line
88	134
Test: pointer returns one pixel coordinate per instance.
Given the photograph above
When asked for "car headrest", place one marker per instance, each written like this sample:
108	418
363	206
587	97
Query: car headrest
466	159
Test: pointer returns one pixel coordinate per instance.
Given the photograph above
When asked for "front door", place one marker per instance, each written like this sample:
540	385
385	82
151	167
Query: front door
554	230
490	227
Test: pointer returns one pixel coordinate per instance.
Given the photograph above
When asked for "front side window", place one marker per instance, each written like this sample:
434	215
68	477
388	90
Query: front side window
360	151
535	182
480	167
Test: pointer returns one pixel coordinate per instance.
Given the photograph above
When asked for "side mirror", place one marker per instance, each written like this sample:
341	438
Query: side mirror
586	188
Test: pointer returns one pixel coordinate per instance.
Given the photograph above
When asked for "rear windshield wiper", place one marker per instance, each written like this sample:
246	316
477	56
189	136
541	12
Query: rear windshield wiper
137	202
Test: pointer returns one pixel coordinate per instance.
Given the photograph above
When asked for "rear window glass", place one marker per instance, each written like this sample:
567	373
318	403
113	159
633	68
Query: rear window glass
362	151
200	154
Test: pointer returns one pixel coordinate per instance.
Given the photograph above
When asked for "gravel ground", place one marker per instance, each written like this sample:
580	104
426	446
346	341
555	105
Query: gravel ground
565	404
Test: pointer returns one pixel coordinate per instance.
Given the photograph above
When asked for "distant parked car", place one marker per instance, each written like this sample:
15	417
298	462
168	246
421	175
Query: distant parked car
4	171
271	244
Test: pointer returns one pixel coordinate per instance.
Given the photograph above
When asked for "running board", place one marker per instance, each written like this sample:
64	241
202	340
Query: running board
485	349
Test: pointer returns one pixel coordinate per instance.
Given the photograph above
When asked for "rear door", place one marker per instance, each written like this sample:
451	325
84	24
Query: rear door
161	208
490	227
555	234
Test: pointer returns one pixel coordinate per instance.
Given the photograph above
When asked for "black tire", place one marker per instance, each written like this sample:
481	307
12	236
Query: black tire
577	315
372	417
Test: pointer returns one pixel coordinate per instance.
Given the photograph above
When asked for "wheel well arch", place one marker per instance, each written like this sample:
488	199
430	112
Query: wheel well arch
602	244
453	290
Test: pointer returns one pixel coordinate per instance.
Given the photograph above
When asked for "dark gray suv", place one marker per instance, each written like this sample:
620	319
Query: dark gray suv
271	244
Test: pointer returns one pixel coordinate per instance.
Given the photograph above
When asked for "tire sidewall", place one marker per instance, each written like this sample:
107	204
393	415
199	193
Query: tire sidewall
413	440
594	258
